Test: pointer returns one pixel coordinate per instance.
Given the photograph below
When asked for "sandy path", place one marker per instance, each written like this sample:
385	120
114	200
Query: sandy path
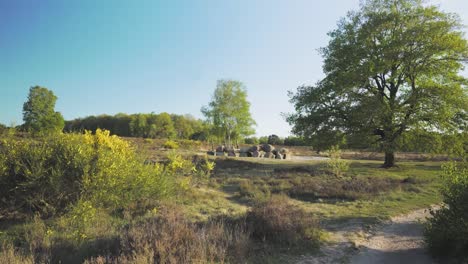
399	241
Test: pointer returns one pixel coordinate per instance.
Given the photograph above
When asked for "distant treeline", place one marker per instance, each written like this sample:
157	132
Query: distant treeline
163	125
171	126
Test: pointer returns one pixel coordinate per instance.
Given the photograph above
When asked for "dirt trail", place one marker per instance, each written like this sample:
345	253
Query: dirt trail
399	240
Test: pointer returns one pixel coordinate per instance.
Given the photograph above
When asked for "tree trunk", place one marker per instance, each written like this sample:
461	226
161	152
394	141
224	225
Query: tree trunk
229	140
389	159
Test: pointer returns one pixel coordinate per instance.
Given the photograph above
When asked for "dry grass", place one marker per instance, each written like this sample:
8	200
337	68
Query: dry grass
277	220
172	238
10	255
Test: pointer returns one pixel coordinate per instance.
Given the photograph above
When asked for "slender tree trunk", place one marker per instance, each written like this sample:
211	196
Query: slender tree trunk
389	159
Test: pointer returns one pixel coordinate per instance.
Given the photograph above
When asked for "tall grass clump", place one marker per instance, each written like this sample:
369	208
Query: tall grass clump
446	233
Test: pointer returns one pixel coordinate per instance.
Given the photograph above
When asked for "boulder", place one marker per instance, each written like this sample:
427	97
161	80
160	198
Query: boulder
284	151
258	154
220	149
244	149
279	156
267	148
269	155
220	154
254	148
232	154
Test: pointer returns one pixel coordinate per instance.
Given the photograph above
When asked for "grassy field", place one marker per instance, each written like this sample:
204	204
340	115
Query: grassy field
230	210
366	192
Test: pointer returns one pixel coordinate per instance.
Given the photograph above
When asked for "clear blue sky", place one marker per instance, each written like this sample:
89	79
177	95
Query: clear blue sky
111	56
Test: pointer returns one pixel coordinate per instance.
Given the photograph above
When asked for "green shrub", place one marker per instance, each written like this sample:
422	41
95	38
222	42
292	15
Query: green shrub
446	233
335	164
170	145
50	175
203	168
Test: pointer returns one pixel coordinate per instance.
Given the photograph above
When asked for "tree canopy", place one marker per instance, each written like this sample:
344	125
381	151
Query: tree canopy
229	112
39	114
390	67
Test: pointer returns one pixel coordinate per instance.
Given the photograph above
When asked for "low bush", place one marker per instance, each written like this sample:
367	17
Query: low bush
446	233
170	145
277	220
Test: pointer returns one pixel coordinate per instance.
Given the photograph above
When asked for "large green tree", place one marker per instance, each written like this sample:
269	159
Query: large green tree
391	66
39	113
229	112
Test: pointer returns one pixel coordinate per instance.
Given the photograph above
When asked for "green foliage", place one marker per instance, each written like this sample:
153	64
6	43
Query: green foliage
161	125
38	112
50	175
294	141
275	140
390	67
251	140
229	112
446	232
203	168
335	164
170	144
263	140
454	144
152	126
